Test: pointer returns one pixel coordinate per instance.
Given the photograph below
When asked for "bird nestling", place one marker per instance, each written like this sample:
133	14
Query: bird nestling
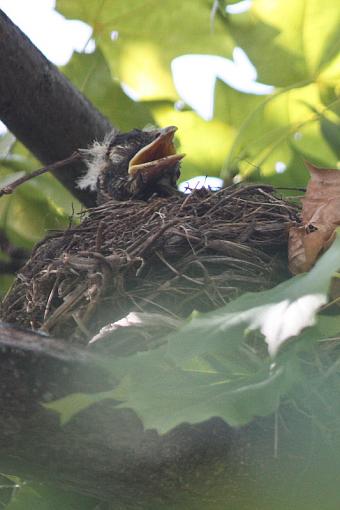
137	165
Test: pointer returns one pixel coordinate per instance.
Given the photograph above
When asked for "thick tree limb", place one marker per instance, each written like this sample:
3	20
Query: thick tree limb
103	451
43	109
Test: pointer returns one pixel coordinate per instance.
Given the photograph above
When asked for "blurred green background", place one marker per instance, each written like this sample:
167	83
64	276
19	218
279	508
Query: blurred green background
294	46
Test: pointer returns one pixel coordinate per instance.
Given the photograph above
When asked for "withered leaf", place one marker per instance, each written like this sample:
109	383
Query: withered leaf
320	217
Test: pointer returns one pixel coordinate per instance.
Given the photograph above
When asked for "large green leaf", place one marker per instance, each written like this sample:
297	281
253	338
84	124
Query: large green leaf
150	34
280	313
283	124
207	368
91	74
288	42
40	497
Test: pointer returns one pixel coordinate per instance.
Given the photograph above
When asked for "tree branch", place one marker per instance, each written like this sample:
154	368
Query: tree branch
43	109
102	451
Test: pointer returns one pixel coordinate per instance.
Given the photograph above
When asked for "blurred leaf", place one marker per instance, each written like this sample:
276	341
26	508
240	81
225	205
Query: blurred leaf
40	497
208	369
265	310
72	404
233	107
199	391
179	383
281	125
236	388
26	219
5	283
147	35
280	38
204	143
331	133
35	207
92	75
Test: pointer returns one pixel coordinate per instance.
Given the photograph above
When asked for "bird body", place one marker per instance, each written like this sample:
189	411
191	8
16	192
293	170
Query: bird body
137	164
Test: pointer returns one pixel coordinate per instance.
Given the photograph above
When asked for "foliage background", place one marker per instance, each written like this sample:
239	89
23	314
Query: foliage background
294	47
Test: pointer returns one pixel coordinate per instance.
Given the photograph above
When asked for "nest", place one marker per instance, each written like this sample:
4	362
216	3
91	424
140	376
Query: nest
168	255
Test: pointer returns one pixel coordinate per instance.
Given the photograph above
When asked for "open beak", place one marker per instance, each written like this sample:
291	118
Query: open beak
153	159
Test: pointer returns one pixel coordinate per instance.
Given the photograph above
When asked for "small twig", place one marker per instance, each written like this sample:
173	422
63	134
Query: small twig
154	237
99	236
7	190
303	190
69	302
51	296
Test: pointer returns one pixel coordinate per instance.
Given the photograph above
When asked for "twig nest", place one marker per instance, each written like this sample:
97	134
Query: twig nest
168	255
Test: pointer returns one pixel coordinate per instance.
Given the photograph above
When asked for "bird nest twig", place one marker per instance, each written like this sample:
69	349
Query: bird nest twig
168	255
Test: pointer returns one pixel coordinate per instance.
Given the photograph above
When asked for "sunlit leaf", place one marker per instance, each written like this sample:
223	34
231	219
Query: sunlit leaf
282	125
204	143
91	74
141	37
280	38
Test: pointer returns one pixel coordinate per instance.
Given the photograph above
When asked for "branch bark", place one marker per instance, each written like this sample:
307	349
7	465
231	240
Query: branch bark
103	451
43	109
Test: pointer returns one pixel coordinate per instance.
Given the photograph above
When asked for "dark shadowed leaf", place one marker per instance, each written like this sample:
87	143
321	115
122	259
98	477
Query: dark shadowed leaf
208	369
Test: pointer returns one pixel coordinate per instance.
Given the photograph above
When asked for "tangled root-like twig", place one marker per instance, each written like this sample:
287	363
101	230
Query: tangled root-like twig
168	255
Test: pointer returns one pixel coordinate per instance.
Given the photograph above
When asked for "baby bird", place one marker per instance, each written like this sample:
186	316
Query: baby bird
137	165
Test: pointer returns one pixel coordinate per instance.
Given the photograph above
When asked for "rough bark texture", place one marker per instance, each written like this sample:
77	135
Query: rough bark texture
42	108
102	451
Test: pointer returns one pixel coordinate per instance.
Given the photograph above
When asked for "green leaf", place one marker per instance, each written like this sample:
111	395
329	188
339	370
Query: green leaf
150	35
26	218
164	395
91	74
288	42
35	207
72	404
233	107
204	143
280	313
40	497
207	368
280	127
331	133
183	377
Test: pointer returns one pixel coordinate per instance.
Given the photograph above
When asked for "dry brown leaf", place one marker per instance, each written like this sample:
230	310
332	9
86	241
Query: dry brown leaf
320	217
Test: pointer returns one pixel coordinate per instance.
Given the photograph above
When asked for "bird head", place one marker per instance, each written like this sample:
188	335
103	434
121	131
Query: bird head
136	164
